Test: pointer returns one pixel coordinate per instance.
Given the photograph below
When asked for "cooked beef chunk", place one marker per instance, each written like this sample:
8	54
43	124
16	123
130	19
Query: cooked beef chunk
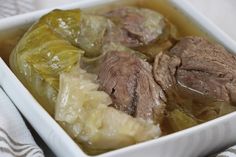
199	65
136	26
129	82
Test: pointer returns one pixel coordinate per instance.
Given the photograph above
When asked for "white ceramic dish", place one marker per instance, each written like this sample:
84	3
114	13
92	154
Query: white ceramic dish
193	142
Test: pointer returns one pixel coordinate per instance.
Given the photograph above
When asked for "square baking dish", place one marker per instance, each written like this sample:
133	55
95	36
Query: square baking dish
196	141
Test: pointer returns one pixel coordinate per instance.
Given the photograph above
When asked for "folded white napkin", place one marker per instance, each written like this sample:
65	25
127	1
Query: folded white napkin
15	138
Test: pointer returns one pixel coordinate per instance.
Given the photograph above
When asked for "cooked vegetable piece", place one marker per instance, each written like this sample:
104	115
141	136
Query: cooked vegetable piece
179	120
42	54
213	110
91	64
66	23
93	29
166	40
170	32
85	114
152	50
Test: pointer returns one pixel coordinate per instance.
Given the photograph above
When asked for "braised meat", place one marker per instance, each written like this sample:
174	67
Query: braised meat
199	65
129	82
136	26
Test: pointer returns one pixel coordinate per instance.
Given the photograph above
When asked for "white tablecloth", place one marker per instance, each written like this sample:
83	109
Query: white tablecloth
15	138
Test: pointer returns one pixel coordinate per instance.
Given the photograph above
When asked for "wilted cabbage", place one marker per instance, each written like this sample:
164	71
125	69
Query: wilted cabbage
93	29
165	41
64	23
43	53
178	120
85	114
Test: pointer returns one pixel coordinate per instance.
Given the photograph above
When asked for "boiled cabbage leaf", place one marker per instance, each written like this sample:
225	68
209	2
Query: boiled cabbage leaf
66	23
43	53
179	120
84	112
93	29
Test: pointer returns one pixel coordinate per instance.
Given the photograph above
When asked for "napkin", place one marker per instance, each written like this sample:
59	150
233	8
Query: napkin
230	152
15	138
14	7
